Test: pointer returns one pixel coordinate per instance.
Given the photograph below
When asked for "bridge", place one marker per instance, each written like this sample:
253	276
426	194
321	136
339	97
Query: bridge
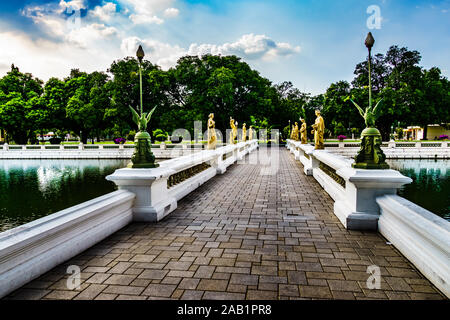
254	232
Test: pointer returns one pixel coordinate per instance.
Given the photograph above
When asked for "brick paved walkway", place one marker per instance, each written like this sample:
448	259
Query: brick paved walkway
242	235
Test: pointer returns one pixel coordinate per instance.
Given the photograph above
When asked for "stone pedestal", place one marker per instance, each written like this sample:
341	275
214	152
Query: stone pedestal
370	156
143	156
357	209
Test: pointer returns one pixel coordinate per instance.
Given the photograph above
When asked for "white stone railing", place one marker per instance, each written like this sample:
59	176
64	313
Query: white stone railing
420	235
93	151
353	190
397	150
392	144
158	190
32	249
366	199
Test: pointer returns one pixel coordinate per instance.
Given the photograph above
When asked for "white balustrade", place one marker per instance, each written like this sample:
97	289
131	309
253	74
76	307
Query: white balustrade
159	189
367	200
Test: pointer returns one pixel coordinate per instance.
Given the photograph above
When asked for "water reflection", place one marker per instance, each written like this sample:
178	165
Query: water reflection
431	184
30	189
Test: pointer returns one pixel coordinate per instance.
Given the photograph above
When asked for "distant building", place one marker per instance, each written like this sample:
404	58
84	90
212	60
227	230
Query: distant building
433	132
413	133
2	136
436	130
46	137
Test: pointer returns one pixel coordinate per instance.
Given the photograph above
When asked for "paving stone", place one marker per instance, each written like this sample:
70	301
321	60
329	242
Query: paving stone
212	285
264	270
153	274
113	289
188	283
160	290
244	279
120	279
61	295
261	295
315	292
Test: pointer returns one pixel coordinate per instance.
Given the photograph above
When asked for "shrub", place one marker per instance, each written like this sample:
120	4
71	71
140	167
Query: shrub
160	135
120	140
342	137
55	140
131	135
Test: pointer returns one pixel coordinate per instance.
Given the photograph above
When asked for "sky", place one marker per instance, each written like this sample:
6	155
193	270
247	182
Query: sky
311	43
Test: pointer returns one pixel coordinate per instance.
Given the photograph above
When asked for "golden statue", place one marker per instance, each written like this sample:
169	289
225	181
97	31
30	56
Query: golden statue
250	133
318	130
295	132
233	133
303	134
212	138
244	132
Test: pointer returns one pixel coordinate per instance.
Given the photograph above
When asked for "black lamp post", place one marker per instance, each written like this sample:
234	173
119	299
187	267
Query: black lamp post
142	156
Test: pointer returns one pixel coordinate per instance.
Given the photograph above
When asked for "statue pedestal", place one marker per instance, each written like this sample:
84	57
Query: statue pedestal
143	156
370	156
357	209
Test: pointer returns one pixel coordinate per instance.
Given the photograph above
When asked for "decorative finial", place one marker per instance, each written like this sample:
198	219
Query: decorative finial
369	41
140	53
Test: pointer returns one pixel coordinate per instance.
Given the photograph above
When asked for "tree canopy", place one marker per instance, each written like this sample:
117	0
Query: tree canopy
97	104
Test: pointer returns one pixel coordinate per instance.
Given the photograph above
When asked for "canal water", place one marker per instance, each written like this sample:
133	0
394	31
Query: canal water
430	188
31	189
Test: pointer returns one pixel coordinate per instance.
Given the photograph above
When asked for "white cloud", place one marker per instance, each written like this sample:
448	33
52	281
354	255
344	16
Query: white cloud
162	54
72	29
171	12
88	34
144	18
249	46
149	11
105	12
45	59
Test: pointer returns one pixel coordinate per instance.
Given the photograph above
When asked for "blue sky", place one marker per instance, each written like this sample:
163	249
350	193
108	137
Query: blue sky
309	42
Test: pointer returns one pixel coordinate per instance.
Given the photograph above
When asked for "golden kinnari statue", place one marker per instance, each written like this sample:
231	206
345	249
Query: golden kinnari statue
212	138
303	133
295	132
233	133
292	132
244	132
250	133
318	130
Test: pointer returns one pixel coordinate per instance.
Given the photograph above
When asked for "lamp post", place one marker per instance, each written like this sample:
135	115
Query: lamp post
289	128
142	156
370	156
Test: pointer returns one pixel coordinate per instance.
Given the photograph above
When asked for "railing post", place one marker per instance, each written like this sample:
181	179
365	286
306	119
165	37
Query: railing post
357	209
6	147
152	202
81	146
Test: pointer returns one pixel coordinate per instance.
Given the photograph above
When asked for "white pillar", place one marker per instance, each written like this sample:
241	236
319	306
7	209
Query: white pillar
357	209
